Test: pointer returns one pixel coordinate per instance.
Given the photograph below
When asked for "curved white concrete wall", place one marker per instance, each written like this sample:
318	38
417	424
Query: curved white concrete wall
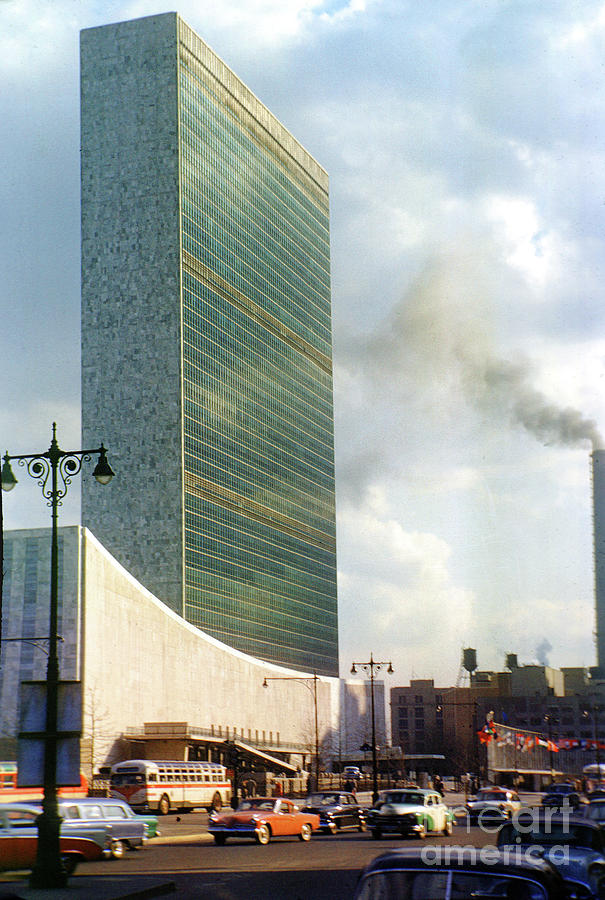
139	661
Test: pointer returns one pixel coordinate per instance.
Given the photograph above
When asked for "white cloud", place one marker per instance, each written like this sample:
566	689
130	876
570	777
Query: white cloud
396	593
528	246
465	145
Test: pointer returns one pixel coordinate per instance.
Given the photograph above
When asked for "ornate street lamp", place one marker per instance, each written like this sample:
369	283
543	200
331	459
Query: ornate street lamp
304	681
371	667
53	470
551	719
594	710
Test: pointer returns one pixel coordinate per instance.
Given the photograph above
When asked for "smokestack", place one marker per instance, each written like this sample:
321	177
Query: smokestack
598	500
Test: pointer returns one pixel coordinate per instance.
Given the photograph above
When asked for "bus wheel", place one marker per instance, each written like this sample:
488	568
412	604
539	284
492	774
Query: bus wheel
164	805
217	802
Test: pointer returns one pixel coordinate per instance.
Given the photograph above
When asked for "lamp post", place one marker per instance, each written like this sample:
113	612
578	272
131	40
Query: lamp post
304	681
53	471
550	720
594	709
371	667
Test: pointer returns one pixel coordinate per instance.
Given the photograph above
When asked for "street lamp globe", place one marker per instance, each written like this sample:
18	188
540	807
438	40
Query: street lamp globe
8	479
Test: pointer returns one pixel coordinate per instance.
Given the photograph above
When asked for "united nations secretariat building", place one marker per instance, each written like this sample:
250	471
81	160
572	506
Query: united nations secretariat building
197	601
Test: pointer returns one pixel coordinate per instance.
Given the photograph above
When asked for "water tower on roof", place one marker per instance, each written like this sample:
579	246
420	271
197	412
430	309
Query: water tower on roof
468	665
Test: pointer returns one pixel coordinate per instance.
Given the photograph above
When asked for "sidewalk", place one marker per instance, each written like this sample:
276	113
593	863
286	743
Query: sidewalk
85	887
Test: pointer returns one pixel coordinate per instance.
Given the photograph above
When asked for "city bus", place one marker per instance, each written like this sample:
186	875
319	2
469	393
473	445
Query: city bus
11	793
161	786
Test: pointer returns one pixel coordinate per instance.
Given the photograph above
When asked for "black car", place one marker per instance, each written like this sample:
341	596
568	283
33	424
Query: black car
594	810
459	872
573	844
336	810
562	796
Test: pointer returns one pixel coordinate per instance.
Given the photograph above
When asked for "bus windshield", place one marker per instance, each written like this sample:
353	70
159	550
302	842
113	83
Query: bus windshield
127	778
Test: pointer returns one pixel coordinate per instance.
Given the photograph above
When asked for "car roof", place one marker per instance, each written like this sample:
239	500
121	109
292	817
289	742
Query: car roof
411	790
21	807
465	858
327	793
537	812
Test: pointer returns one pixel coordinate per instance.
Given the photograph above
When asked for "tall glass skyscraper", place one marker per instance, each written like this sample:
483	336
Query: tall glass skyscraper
206	343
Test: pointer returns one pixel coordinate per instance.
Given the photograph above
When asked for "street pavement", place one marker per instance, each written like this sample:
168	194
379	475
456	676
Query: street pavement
140	887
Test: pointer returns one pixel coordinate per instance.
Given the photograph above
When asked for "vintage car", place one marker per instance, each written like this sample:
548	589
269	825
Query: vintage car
410	812
19	840
492	803
464	872
594	810
262	818
126	830
574	845
336	810
562	796
112	810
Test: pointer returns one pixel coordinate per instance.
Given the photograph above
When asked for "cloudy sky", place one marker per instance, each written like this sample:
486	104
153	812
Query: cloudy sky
465	142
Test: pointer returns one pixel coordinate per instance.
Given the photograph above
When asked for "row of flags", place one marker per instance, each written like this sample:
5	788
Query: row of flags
503	736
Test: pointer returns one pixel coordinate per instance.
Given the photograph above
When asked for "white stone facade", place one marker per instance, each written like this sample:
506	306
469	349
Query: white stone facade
138	660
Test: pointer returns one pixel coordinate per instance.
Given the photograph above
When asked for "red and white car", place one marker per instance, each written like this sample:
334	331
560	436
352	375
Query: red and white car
19	840
262	818
493	804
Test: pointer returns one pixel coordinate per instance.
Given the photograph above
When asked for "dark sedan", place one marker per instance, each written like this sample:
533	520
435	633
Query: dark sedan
574	845
461	872
336	810
561	797
594	810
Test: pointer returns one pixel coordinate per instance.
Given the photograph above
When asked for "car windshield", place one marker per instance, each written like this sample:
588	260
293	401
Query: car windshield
491	795
548	833
595	811
560	789
419	885
403	797
255	804
322	799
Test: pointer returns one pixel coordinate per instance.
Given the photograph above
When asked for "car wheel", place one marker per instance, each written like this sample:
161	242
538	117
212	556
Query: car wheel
376	834
217	802
220	839
117	849
263	834
70	862
164	805
332	827
448	827
305	832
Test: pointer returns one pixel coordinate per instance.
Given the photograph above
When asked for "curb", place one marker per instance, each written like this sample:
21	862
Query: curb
88	887
203	838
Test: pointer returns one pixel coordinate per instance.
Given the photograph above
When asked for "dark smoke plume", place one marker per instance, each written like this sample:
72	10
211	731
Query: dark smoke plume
439	334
